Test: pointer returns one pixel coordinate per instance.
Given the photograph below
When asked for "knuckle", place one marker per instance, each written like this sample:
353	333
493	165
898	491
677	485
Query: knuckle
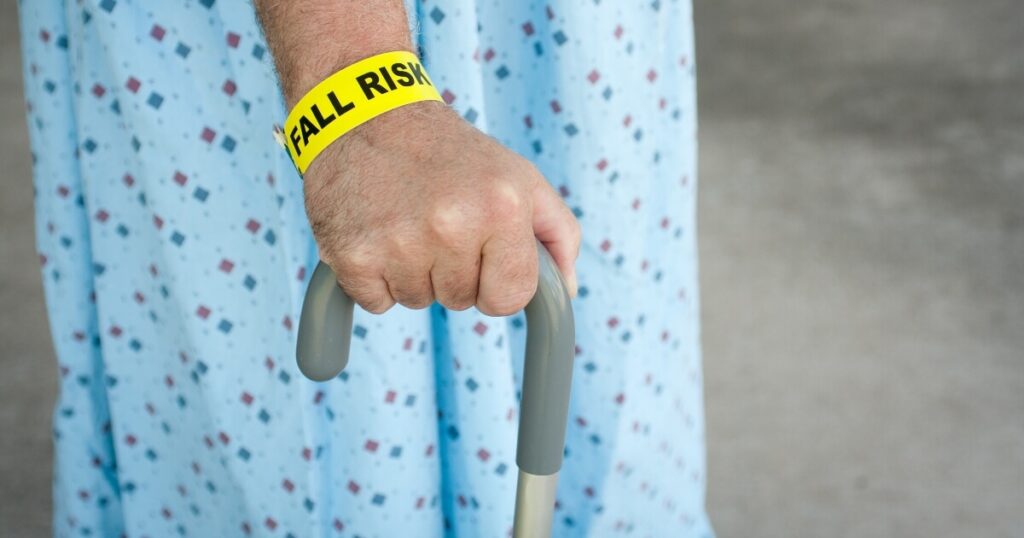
403	246
448	222
355	263
504	201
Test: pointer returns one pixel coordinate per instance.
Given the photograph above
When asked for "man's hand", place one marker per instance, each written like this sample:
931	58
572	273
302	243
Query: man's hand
417	205
414	205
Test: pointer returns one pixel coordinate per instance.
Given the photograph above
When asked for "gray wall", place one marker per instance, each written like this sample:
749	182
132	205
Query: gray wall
862	241
862	229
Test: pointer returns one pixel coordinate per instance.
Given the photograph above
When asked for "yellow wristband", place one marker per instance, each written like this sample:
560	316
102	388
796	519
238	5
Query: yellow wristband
352	96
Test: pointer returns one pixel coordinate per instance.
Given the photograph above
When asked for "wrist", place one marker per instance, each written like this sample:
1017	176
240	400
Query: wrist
388	132
390	125
301	75
353	96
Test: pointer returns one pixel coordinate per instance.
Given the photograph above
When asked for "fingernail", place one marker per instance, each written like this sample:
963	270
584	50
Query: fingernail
573	288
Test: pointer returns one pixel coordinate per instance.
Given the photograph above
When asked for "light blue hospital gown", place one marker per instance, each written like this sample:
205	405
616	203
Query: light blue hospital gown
175	252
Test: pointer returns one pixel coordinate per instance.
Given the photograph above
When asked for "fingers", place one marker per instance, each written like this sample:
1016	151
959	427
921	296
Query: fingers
372	295
455	270
455	278
444	261
410	286
557	228
364	284
508	273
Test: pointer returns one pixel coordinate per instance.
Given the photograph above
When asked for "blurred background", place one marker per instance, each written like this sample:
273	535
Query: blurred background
862	241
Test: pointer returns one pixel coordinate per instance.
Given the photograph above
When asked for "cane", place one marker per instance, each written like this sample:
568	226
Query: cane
325	331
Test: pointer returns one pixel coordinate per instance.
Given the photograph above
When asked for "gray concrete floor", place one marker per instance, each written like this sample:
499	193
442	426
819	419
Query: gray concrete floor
862	234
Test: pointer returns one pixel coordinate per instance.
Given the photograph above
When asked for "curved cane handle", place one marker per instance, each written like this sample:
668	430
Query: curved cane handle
325	332
325	327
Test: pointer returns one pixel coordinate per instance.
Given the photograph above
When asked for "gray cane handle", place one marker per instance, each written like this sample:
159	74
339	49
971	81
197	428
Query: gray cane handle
325	327
325	332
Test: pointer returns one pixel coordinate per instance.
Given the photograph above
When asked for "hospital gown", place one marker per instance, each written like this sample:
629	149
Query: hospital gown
175	252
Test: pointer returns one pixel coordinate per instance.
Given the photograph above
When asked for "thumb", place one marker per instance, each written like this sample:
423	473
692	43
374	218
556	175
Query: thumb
557	228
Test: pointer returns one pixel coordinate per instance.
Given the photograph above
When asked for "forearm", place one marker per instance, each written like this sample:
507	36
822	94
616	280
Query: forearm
312	39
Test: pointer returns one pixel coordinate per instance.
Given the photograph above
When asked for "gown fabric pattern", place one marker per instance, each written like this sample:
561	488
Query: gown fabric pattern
175	252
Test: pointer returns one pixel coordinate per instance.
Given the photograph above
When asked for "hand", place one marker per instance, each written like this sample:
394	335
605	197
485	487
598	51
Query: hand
417	205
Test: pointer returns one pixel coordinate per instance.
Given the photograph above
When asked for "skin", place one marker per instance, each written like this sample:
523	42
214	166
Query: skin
415	205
